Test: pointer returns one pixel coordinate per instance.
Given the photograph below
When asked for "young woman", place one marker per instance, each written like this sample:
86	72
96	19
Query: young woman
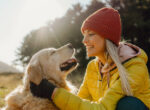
117	79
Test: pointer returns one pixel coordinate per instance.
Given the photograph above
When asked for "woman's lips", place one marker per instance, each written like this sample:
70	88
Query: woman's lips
89	47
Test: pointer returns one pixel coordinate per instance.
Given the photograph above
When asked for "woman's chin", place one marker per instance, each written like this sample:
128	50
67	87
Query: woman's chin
90	55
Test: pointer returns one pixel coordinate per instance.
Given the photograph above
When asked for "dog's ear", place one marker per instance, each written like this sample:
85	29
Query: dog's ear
34	72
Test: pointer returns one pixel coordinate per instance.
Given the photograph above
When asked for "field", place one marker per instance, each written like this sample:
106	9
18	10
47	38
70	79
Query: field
8	81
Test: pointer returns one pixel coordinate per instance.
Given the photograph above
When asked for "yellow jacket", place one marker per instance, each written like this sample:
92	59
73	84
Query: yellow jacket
94	93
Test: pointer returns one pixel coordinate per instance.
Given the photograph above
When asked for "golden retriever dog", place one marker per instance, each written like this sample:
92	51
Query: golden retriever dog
51	64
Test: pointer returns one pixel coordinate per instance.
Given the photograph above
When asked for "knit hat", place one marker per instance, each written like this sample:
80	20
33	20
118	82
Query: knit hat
105	22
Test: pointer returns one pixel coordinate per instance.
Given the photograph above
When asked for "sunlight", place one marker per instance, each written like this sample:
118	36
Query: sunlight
37	12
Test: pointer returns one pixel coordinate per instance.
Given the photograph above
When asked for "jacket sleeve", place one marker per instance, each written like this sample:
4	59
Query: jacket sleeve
65	100
68	101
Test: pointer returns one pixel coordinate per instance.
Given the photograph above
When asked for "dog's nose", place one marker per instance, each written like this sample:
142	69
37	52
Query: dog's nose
70	45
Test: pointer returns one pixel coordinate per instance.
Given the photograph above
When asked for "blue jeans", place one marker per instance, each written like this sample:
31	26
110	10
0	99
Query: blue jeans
131	103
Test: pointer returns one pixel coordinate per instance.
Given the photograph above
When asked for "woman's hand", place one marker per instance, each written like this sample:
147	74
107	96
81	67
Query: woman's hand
44	89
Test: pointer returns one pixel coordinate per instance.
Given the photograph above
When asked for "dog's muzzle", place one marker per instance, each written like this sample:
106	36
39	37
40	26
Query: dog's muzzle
68	64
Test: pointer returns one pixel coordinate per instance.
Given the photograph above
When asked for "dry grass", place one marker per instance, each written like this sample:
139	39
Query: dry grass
8	81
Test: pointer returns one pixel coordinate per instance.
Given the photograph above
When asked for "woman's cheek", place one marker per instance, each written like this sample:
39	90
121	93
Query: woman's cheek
91	52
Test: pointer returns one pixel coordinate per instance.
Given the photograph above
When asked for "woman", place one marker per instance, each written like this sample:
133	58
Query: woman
117	79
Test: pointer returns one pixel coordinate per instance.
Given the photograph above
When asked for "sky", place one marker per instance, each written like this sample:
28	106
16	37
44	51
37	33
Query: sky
19	17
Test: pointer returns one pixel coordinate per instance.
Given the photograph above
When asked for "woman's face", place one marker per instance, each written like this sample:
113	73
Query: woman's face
94	43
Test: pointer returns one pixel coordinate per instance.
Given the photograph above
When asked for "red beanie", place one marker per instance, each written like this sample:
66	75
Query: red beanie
106	22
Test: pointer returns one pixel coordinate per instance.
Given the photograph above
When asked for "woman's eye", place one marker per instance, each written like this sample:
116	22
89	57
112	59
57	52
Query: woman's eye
91	34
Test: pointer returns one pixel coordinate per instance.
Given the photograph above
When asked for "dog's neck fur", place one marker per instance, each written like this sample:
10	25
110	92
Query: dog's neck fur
62	83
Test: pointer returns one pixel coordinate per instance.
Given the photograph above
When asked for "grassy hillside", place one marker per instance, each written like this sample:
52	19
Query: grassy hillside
8	81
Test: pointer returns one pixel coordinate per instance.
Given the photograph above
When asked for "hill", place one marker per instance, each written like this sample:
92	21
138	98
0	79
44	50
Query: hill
5	68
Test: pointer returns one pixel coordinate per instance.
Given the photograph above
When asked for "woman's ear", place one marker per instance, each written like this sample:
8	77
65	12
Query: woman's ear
34	72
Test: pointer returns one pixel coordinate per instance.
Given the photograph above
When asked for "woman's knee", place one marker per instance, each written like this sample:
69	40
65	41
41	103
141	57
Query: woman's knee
130	103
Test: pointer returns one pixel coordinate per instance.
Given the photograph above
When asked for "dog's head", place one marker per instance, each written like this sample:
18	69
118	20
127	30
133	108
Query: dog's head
52	64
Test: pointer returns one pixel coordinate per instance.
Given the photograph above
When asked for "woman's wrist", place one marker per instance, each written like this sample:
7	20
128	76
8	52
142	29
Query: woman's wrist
53	94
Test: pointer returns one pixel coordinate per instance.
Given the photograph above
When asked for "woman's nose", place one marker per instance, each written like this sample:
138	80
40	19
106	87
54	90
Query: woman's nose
85	40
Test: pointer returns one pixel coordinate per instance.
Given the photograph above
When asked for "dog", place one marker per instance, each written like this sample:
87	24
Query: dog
51	64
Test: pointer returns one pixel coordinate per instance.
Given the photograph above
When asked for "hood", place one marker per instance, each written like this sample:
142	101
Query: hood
127	51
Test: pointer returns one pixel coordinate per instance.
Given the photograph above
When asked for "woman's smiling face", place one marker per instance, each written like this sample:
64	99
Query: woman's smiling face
94	43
